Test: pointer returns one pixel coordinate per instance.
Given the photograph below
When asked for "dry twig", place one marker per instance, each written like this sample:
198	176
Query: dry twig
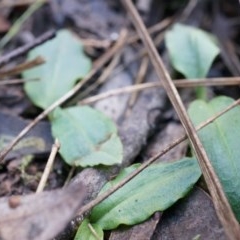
16	81
104	76
48	167
27	47
178	83
22	67
139	79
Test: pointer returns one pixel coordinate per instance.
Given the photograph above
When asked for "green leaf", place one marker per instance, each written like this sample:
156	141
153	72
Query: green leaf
87	137
155	189
84	232
221	141
191	50
65	64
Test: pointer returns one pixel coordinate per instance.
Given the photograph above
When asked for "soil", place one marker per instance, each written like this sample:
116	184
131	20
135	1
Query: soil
146	121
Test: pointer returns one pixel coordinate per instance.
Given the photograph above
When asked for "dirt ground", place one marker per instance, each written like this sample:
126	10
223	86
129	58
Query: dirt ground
146	120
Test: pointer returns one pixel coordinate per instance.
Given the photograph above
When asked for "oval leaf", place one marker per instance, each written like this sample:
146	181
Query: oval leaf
221	141
87	137
65	64
155	189
85	233
191	50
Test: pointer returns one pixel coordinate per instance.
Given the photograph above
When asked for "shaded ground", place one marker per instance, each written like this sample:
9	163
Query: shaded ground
145	120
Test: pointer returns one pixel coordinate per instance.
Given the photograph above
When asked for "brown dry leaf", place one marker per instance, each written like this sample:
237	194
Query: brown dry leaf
39	216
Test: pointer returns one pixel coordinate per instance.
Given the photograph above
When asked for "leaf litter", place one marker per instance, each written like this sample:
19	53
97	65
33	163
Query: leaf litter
39	216
137	149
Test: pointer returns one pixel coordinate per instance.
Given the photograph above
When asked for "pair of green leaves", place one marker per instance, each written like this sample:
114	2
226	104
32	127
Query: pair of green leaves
87	136
160	185
192	52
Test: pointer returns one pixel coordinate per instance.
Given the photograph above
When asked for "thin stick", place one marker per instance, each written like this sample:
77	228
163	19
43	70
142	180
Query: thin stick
139	79
22	67
178	83
159	27
70	174
188	10
15	28
106	73
16	81
27	47
92	230
154	29
142	53
132	39
5	4
89	42
184	137
48	167
104	59
221	204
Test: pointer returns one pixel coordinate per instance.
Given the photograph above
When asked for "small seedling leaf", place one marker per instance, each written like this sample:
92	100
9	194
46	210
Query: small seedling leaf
191	50
154	189
86	233
221	141
65	64
87	137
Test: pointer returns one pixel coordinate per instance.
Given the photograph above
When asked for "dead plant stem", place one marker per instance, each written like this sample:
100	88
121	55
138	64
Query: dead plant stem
22	67
178	83
17	81
48	167
27	47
